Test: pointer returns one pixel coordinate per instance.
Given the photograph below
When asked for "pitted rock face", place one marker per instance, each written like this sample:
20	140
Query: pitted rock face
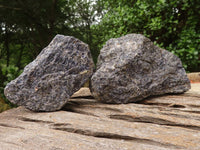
59	70
131	68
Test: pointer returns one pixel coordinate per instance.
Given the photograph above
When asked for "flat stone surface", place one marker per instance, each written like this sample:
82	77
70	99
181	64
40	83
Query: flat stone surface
168	122
58	72
131	68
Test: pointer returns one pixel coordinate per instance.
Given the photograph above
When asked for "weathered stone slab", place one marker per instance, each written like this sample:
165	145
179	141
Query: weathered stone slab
169	122
131	68
59	71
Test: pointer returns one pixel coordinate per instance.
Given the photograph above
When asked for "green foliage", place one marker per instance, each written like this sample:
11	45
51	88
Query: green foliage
187	47
10	72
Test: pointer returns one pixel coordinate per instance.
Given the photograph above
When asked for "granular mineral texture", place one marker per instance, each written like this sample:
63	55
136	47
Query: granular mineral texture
131	68
59	70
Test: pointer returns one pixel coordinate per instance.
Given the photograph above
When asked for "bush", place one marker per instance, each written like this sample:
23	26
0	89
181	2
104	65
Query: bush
10	72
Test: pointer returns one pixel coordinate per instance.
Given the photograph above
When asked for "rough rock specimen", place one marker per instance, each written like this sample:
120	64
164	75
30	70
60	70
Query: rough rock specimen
58	71
131	68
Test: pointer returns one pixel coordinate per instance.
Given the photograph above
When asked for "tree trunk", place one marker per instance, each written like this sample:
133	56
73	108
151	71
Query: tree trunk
53	17
6	43
20	57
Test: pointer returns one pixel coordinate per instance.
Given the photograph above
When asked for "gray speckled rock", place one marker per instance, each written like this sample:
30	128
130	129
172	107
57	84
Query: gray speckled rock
58	71
131	68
